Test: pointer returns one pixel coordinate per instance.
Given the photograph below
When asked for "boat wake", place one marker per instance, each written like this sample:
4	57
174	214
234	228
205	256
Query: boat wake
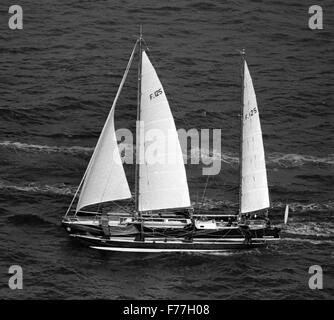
302	207
227	253
295	207
282	160
210	204
310	241
311	228
76	150
59	189
291	160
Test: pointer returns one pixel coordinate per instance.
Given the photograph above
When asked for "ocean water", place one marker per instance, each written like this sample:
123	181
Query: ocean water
57	82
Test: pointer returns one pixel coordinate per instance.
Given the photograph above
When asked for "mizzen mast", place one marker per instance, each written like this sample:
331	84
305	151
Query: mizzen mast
243	54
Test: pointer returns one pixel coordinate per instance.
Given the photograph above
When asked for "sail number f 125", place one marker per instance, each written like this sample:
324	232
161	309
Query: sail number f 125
250	113
155	94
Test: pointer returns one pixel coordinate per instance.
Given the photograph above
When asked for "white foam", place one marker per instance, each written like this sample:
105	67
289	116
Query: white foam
289	160
38	188
45	148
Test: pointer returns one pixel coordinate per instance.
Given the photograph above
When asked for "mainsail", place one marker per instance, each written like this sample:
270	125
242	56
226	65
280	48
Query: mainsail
162	176
254	186
105	179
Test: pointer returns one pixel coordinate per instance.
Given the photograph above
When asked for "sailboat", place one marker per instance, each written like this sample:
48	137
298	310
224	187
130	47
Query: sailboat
163	219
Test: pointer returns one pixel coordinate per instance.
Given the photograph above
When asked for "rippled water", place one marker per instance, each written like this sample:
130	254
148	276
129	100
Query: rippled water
58	78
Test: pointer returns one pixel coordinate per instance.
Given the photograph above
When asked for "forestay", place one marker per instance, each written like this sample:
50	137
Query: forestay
105	179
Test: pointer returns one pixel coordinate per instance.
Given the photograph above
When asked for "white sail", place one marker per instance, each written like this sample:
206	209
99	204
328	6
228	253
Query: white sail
105	179
162	183
254	186
286	214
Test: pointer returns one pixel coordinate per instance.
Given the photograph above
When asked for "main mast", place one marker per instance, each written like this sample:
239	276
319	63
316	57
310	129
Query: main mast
137	124
243	53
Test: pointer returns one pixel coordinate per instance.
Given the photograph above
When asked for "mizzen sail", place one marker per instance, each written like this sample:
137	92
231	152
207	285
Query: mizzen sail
254	186
162	176
105	179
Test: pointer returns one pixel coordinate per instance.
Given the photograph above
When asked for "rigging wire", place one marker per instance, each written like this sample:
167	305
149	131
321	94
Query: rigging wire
203	196
97	145
166	84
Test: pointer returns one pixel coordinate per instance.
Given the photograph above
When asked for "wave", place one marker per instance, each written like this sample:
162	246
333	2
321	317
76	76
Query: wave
45	148
28	219
297	160
209	204
302	207
213	204
60	189
310	228
295	207
284	160
276	159
206	155
297	225
311	241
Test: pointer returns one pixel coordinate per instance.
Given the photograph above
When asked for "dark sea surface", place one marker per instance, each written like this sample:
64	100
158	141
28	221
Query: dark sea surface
58	78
